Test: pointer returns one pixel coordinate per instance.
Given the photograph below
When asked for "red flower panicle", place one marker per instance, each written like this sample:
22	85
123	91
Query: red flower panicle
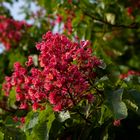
11	31
63	80
129	73
22	120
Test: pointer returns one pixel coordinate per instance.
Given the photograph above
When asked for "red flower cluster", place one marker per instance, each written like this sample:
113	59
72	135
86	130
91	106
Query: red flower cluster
68	22
28	86
129	10
17	119
11	31
129	73
63	80
58	18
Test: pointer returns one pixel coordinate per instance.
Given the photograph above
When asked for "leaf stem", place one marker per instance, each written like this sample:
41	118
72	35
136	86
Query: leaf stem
88	121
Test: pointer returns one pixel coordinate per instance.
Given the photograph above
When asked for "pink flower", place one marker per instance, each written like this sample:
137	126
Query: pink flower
58	107
29	62
129	10
18	89
90	98
117	123
17	66
35	106
52	98
129	73
58	19
20	97
22	119
23	105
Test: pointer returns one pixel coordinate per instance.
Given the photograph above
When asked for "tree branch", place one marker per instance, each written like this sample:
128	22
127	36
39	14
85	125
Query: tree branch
88	121
131	26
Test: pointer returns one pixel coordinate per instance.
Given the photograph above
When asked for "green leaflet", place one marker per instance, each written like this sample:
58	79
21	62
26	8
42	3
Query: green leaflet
39	124
115	103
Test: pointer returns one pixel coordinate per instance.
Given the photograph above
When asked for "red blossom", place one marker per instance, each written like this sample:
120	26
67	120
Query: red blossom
20	97
22	119
58	107
29	62
69	1
129	10
129	73
23	105
58	19
11	31
90	98
63	79
117	123
35	106
15	119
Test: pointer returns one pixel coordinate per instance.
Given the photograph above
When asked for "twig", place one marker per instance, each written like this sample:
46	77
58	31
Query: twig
3	107
78	110
130	26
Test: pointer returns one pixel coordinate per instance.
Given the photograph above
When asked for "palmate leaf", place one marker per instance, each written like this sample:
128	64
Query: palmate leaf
116	105
11	133
31	120
135	95
40	132
39	124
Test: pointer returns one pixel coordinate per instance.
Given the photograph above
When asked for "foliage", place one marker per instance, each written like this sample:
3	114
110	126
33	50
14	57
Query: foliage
77	75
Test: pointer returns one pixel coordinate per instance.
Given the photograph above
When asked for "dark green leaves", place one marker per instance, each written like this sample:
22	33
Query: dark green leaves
11	133
135	97
115	103
39	124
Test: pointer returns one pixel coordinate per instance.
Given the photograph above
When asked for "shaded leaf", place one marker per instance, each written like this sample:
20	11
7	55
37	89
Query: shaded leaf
115	103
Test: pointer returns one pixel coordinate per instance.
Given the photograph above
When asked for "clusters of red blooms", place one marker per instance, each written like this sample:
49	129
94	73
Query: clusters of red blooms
129	10
68	20
63	80
129	73
58	18
11	31
17	119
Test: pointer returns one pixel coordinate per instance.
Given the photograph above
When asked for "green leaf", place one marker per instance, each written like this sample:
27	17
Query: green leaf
105	114
135	94
40	132
12	133
12	97
31	120
39	124
136	97
64	115
15	56
115	103
55	130
1	136
47	116
131	105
